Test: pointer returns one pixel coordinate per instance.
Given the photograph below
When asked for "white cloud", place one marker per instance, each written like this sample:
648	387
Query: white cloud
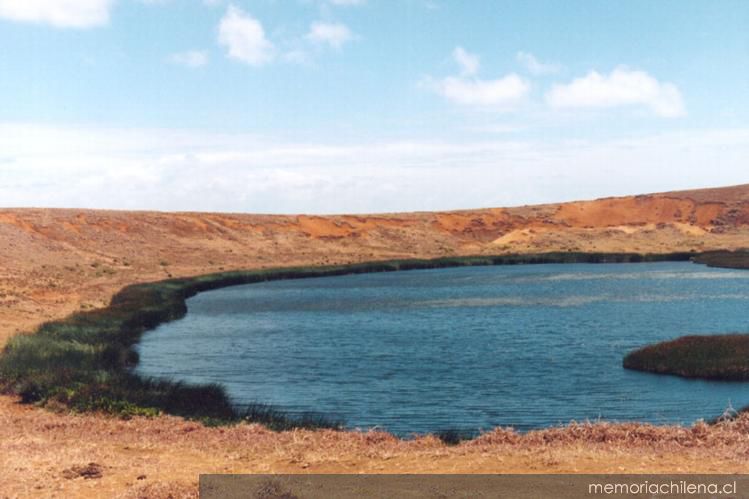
622	87
536	67
469	63
333	34
486	93
58	13
244	38
190	59
468	90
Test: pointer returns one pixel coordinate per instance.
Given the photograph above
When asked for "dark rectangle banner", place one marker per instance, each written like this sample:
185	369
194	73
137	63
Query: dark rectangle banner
471	486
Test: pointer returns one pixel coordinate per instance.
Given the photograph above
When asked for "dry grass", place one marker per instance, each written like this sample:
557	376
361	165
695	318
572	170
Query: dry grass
168	453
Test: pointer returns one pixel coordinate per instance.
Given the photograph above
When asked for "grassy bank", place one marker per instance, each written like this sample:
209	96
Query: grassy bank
84	361
720	357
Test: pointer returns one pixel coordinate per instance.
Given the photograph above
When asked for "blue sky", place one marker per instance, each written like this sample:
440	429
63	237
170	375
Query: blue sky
367	105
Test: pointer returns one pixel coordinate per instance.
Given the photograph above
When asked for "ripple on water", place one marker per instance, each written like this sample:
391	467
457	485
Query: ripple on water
468	348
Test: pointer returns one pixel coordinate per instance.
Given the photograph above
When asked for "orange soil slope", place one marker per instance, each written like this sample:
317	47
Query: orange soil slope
54	262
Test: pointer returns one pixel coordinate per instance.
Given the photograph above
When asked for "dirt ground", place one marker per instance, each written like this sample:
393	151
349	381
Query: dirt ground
54	262
43	454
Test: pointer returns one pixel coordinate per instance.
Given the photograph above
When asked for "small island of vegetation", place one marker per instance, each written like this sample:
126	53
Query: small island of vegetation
721	357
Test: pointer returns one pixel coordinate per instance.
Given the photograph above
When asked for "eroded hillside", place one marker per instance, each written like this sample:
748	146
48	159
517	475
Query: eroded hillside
55	261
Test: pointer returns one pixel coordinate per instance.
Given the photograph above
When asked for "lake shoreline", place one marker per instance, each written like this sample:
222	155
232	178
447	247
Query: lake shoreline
113	331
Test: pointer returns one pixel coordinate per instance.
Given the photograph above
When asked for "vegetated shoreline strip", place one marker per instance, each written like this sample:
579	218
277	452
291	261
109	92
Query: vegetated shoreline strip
722	357
84	362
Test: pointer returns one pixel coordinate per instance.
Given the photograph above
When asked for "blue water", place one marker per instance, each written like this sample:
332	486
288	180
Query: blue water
464	348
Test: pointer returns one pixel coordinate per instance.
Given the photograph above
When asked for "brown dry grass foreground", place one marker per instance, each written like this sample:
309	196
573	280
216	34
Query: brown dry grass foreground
54	262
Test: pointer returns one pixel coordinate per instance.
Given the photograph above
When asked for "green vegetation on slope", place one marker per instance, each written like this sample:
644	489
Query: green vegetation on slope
85	361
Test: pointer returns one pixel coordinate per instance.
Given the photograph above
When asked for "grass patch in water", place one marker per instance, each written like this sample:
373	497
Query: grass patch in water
722	357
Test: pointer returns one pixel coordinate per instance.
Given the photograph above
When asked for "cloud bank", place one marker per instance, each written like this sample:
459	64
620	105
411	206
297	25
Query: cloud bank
192	170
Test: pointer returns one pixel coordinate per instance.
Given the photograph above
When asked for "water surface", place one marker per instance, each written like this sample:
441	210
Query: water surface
470	348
